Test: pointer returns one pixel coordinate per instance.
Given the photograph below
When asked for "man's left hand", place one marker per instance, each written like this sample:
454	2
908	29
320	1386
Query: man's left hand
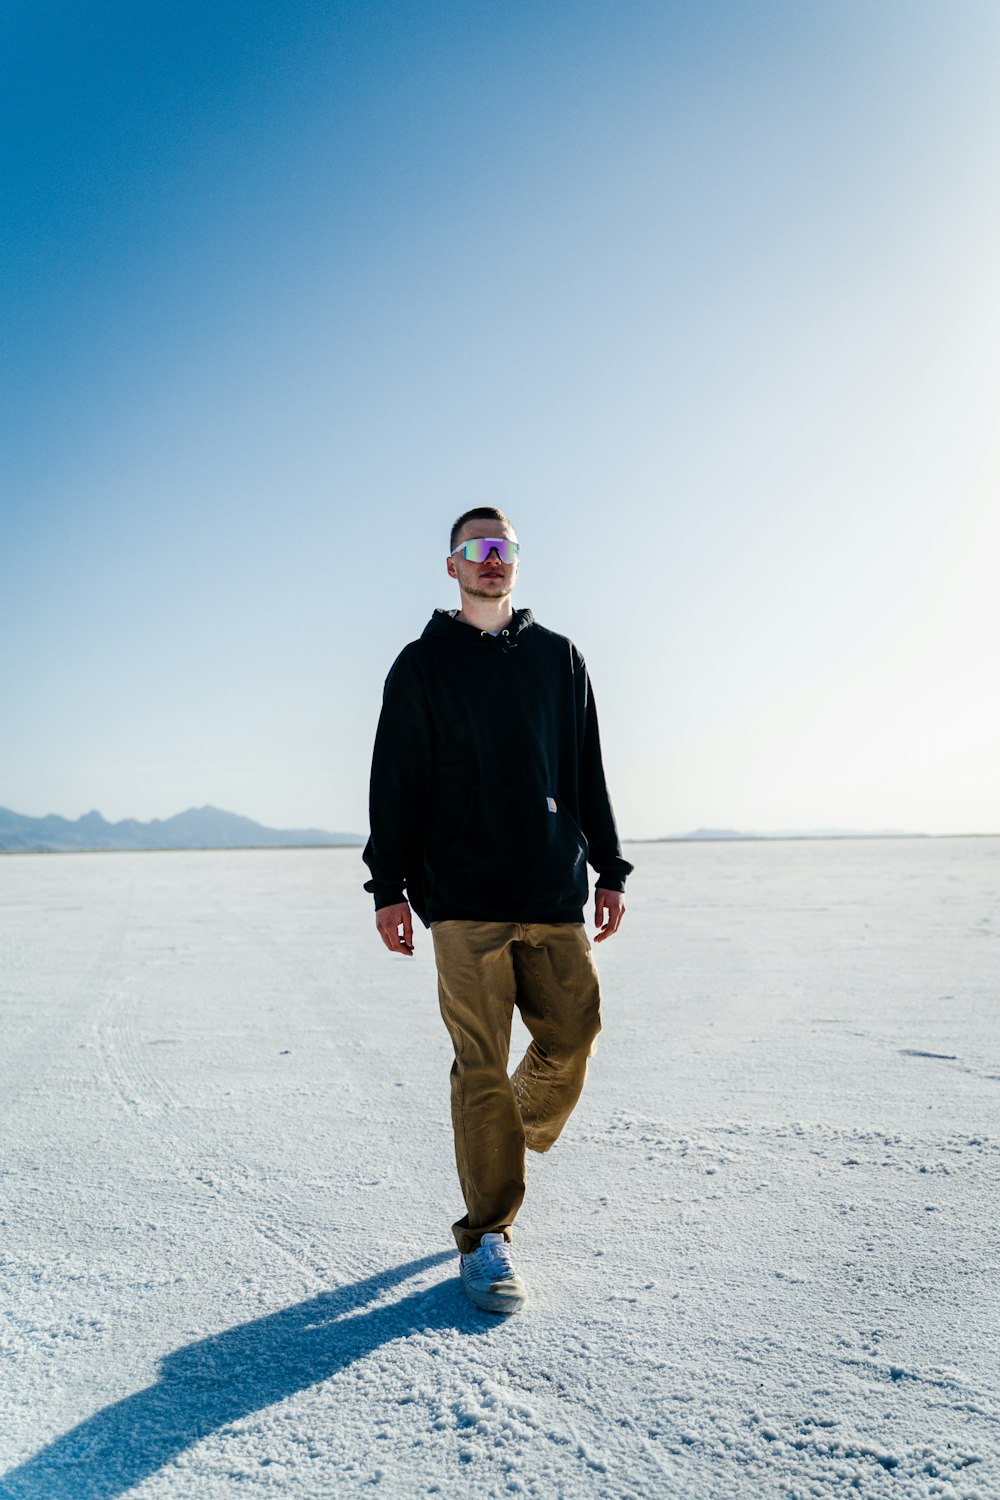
608	912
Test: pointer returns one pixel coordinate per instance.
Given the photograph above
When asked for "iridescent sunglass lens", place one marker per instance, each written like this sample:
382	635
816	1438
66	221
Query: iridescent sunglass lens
479	548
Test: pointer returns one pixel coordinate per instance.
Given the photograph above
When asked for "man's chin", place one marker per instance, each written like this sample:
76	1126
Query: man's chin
497	593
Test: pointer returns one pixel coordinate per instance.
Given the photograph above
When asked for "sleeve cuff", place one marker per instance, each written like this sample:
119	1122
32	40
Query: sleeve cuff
614	877
385	895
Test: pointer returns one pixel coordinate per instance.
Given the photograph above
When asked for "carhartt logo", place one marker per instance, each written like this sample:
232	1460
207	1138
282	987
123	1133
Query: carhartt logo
551	803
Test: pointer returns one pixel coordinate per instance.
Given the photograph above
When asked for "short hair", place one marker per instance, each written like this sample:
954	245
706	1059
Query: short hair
479	513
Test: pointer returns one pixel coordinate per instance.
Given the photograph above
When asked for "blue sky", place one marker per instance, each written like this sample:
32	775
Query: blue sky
704	295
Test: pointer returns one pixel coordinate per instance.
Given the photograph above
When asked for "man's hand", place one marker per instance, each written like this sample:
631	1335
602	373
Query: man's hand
611	906
388	920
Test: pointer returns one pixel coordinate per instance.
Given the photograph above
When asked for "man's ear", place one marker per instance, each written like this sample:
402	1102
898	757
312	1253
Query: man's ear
450	565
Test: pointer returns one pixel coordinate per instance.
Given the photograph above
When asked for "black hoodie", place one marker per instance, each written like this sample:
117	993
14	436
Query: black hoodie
487	790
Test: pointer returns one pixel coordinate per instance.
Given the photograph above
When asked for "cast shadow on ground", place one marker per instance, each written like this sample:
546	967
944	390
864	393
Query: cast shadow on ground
218	1380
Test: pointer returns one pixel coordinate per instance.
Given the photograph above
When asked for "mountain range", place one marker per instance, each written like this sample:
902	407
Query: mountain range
789	833
197	828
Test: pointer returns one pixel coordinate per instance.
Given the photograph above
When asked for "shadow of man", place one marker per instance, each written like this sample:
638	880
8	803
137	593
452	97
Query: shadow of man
218	1380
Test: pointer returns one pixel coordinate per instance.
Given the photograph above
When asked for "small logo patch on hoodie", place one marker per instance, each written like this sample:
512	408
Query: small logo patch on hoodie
551	804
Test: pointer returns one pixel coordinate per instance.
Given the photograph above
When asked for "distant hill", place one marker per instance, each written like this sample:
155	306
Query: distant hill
790	833
198	828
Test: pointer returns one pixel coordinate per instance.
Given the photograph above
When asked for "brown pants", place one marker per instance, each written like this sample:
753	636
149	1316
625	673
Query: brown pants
484	969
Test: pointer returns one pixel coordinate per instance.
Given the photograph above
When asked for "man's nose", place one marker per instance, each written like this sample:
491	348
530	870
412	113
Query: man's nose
493	552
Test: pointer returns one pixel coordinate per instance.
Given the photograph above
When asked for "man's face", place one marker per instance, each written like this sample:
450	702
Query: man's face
491	579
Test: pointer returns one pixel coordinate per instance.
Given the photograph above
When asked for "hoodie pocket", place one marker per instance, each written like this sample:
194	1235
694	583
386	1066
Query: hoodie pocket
513	844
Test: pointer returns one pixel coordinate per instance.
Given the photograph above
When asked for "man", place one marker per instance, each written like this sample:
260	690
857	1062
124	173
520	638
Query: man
487	800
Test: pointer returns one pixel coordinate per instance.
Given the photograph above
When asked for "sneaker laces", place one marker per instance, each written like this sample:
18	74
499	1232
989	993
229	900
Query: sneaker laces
496	1257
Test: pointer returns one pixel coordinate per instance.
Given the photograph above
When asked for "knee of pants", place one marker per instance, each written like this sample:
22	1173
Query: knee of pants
480	1076
592	1032
577	1034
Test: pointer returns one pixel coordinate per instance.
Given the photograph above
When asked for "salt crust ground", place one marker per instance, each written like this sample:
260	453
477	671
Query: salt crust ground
763	1257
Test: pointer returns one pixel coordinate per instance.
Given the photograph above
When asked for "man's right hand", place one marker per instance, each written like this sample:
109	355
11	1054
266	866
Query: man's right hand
389	920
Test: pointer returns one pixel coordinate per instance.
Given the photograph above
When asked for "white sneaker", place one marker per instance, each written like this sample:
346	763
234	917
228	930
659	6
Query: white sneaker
489	1278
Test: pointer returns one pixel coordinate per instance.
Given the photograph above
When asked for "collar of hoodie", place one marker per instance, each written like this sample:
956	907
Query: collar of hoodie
443	623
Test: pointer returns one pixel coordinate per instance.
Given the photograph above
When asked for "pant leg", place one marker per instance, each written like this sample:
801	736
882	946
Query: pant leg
559	997
477	990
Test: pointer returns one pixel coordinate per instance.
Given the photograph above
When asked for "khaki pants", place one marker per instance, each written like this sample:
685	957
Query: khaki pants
484	969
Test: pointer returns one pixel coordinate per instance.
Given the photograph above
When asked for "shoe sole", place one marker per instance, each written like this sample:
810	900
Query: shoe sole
503	1303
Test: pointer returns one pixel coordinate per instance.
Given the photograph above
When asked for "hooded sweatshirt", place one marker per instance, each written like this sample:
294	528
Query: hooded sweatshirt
488	796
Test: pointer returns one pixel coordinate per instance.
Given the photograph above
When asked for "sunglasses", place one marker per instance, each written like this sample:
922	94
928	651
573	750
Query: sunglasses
480	547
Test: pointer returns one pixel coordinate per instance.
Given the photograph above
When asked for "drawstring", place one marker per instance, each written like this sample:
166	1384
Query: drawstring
506	644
